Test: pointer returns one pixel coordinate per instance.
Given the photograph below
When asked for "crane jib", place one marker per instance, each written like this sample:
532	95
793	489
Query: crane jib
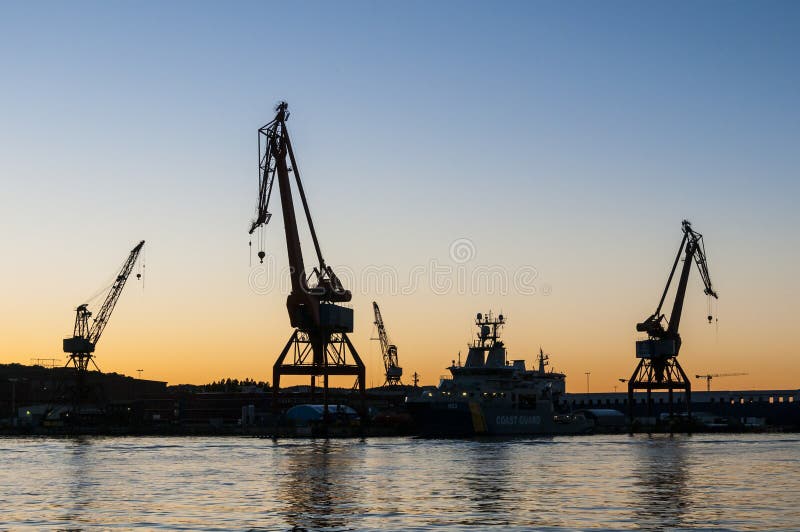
85	337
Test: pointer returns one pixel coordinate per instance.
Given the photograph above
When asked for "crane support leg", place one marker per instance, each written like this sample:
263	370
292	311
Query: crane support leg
659	374
276	373
331	355
362	377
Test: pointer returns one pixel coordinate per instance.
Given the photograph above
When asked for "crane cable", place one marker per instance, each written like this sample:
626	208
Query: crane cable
142	267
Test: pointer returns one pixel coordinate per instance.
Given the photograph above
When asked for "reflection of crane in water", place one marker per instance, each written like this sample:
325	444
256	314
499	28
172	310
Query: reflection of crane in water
319	343
318	487
658	366
661	477
389	351
82	482
710	376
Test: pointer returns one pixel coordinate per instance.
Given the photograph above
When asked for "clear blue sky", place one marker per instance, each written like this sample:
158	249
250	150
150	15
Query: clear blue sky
573	136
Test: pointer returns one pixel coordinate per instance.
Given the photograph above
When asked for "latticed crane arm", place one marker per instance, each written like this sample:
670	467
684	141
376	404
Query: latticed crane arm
104	314
86	336
693	249
383	338
388	350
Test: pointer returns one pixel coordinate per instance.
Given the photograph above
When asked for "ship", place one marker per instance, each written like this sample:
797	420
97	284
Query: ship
491	395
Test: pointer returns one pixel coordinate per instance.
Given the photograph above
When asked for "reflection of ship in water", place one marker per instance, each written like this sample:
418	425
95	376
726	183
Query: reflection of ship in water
488	472
491	395
661	483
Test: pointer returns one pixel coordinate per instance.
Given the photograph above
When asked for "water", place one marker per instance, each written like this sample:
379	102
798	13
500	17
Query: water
708	482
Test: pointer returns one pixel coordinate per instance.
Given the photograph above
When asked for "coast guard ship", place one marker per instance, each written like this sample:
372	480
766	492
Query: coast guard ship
490	395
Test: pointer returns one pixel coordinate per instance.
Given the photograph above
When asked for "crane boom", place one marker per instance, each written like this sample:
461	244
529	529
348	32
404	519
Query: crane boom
104	314
303	302
389	351
668	339
85	336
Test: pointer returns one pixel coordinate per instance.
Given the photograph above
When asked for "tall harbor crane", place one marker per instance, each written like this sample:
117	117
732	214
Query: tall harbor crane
389	351
85	335
708	377
319	343
658	367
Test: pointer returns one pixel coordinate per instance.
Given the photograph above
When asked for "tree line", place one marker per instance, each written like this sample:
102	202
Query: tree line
234	385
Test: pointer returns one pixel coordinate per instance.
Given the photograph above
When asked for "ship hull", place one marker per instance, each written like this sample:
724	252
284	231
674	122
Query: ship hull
464	419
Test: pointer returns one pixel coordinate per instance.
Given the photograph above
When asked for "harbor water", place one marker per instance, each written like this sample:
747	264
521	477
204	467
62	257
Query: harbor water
712	482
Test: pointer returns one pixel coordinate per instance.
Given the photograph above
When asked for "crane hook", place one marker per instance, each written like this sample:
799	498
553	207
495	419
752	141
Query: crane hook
261	256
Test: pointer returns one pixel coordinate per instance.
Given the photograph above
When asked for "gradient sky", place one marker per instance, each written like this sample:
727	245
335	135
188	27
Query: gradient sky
569	137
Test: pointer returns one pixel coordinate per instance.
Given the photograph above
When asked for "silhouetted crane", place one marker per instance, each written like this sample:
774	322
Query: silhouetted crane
658	366
319	343
710	376
389	351
85	335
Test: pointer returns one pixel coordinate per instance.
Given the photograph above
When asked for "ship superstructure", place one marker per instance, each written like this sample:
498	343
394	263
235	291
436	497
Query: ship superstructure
490	394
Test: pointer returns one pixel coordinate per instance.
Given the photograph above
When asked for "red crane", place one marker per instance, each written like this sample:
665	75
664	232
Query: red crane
319	344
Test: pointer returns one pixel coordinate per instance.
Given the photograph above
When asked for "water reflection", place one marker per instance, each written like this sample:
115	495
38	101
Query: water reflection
661	477
319	491
79	484
608	482
487	483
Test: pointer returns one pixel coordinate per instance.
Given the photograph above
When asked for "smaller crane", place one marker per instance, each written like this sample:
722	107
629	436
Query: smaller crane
80	347
710	376
389	351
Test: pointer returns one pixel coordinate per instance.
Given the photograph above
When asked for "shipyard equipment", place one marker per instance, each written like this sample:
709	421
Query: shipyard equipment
89	327
319	345
658	367
708	377
389	351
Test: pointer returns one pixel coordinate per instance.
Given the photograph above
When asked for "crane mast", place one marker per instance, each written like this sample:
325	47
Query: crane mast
319	344
392	369
658	366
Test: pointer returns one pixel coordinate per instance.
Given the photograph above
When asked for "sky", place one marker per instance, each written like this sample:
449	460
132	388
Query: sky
529	158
